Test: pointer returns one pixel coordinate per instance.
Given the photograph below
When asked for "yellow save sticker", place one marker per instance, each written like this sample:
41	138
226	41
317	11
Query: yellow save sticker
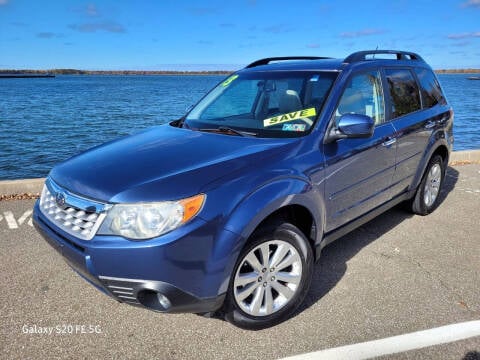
294	115
229	80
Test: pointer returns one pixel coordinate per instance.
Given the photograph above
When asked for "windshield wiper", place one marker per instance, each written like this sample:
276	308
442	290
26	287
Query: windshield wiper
227	129
230	131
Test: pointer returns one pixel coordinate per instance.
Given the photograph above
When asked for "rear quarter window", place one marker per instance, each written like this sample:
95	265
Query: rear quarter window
404	92
430	88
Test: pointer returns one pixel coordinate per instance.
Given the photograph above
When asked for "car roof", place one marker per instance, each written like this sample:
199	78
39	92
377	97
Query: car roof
305	65
310	63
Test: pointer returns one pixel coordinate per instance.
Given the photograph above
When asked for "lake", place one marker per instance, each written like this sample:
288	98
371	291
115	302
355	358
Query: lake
44	121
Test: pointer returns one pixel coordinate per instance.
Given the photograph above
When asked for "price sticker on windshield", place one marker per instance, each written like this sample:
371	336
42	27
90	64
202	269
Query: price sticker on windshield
294	115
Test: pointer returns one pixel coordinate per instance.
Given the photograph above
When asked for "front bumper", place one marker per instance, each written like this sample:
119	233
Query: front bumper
187	270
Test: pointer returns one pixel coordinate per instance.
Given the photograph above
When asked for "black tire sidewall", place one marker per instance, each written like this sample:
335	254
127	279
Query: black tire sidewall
419	206
280	231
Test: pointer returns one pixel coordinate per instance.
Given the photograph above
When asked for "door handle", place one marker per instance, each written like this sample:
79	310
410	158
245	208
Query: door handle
389	142
429	125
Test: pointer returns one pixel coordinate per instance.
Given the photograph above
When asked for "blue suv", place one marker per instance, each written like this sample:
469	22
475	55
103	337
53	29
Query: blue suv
225	211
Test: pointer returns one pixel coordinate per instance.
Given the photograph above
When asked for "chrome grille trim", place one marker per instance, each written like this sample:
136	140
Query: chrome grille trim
75	215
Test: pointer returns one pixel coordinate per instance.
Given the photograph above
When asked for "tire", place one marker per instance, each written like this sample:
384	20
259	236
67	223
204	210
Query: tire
262	296
427	196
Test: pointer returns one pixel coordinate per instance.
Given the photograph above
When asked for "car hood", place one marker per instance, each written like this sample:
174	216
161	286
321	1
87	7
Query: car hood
161	163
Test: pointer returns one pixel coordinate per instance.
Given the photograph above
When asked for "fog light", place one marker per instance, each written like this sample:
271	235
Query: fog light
163	300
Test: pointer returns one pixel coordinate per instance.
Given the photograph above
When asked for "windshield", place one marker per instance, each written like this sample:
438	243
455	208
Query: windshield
264	104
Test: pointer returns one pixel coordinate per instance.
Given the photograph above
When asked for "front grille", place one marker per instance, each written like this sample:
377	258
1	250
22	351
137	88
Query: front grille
82	222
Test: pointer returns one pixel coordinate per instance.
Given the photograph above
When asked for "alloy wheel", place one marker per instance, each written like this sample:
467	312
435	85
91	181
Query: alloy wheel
432	185
268	278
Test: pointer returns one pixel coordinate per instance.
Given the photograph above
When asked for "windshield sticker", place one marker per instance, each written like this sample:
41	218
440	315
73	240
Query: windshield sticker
314	78
294	127
295	115
229	80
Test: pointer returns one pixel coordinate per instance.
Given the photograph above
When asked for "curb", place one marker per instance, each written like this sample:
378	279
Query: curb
10	187
30	186
466	156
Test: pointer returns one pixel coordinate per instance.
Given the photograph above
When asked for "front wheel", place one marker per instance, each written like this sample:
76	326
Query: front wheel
427	196
271	277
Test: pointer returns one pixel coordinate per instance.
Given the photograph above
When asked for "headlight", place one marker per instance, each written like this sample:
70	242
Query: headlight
147	220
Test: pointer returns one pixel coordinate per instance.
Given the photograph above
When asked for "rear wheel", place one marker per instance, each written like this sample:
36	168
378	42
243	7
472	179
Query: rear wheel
427	196
271	277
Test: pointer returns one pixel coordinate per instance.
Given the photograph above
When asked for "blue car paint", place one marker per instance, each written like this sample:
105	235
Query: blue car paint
359	175
159	164
181	252
245	180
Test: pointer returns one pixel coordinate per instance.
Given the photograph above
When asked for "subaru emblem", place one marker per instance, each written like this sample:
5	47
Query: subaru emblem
60	199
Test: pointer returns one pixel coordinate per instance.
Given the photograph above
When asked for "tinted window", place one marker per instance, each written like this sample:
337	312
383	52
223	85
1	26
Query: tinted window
318	90
404	92
430	88
363	95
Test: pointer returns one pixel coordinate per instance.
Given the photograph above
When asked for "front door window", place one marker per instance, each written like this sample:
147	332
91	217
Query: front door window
363	95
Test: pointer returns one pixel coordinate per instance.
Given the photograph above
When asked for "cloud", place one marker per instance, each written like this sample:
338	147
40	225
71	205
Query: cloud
462	36
91	10
45	35
3	2
365	32
461	43
108	26
471	3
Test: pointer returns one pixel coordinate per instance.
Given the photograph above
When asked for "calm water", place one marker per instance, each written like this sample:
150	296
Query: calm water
44	121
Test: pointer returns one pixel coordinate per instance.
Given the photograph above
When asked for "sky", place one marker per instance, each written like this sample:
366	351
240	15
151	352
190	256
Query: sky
226	35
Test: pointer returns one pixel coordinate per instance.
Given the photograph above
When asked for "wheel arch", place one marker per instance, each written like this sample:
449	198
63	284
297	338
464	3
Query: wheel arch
297	215
436	148
294	200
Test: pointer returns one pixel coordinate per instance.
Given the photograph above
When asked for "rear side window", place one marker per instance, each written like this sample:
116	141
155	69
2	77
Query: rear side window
430	88
404	93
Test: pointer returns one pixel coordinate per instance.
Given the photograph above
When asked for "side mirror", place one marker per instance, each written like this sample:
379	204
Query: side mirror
352	126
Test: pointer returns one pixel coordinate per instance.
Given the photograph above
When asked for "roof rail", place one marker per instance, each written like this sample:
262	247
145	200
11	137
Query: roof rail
401	55
267	61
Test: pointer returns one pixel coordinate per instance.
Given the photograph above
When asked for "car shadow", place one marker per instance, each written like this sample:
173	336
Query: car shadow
332	265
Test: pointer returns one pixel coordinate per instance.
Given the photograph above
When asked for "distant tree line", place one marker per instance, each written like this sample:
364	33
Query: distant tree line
113	72
458	71
169	72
